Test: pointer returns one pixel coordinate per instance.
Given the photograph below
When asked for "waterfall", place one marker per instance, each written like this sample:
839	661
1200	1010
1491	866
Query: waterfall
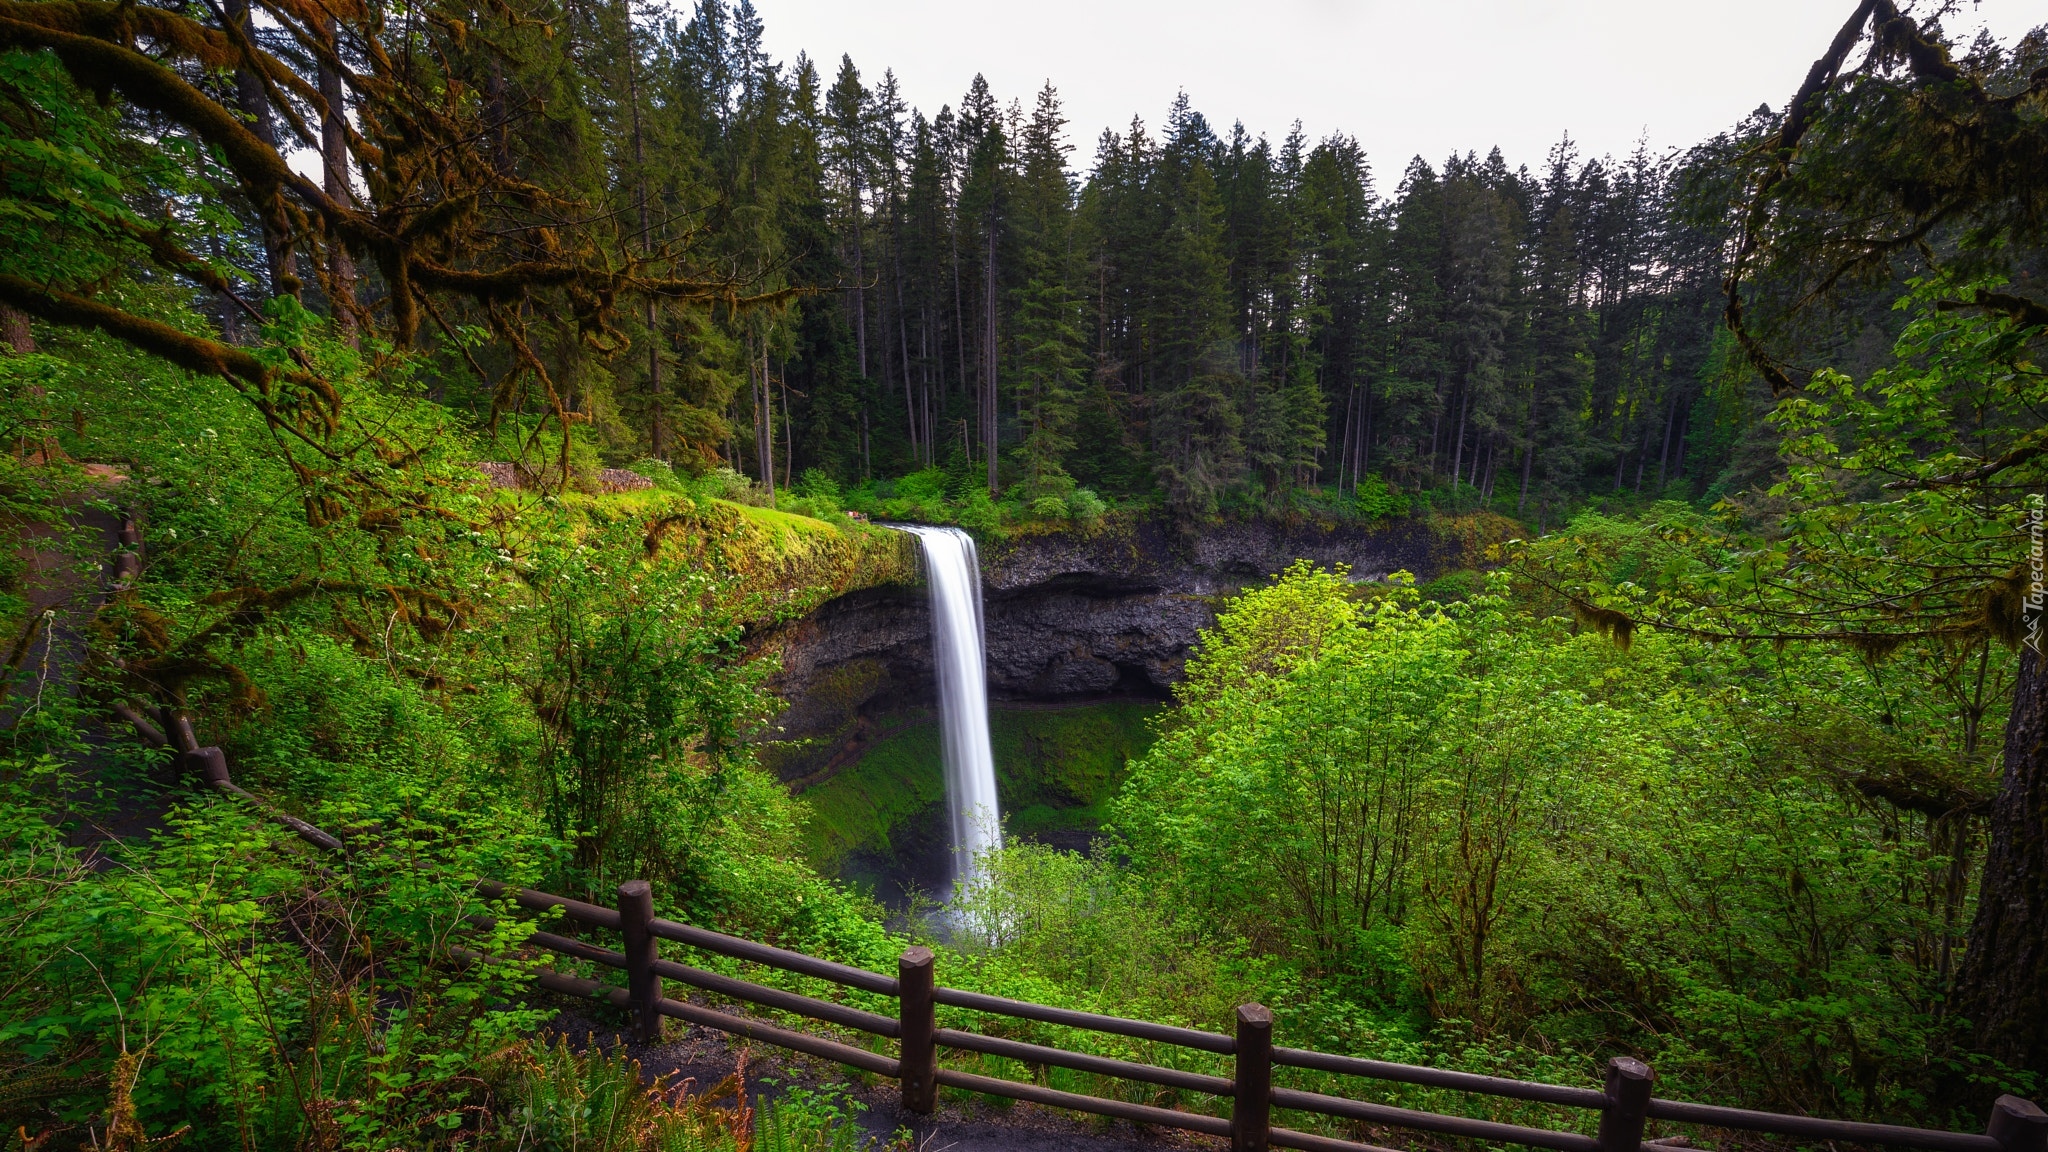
953	571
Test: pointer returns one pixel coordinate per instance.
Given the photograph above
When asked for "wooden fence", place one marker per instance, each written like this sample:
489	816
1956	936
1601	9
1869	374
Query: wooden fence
1624	1102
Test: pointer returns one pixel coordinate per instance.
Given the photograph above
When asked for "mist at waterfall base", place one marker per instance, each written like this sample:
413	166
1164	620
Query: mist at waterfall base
952	571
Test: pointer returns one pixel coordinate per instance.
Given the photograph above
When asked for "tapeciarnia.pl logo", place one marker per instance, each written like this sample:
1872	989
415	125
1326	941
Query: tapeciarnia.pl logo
2037	572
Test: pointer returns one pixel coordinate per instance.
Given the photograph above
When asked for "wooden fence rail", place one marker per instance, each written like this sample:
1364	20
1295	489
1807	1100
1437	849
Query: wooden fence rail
1624	1103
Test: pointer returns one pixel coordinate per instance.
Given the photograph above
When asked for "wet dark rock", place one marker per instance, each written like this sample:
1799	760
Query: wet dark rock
1069	617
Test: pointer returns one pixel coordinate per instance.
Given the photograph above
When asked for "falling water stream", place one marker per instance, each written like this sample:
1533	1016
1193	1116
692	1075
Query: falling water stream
953	571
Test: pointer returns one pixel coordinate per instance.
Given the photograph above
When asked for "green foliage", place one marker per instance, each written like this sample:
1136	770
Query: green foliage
936	496
1886	537
1965	390
1085	506
809	1120
1410	823
219	976
69	213
559	1098
460	683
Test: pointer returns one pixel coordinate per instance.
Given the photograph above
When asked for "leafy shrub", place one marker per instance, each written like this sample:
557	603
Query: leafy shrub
663	474
822	1119
722	483
817	484
980	514
926	487
217	978
1373	500
1085	506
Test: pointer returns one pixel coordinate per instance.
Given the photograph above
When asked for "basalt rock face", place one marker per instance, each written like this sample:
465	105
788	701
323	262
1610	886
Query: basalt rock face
1068	617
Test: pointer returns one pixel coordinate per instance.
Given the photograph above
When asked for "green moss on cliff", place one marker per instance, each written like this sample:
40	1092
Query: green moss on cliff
790	563
859	808
1055	769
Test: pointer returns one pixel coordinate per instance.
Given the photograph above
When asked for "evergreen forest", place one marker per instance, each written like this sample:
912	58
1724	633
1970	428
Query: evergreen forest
457	414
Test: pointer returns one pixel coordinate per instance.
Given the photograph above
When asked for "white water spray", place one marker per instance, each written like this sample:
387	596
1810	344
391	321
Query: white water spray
953	570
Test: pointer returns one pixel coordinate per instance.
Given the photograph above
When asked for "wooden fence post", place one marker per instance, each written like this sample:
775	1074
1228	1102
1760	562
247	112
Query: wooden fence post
128	553
636	910
1628	1102
2018	1125
181	733
1251	1110
918	1055
209	764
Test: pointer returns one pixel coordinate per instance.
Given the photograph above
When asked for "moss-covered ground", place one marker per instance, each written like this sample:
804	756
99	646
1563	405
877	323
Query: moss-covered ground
1055	771
790	563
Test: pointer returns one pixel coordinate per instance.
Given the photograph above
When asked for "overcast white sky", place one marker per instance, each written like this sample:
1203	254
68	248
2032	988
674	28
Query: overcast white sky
1420	76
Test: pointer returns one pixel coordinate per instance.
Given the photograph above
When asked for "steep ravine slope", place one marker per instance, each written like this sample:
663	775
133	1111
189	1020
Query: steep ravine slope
1069	617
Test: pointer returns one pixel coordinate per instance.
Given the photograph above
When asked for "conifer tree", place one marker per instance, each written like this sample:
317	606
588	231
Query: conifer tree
1197	392
1558	379
1048	354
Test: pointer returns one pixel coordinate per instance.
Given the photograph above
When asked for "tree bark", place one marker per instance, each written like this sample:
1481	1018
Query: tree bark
14	327
860	300
990	426
1458	454
341	269
768	422
919	449
254	101
1358	470
1343	452
1528	465
764	416
2002	986
657	442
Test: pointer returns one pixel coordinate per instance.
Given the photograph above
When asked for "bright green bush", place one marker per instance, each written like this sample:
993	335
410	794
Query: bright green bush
1477	834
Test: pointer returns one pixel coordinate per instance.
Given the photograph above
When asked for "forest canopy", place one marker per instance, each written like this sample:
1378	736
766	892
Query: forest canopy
638	228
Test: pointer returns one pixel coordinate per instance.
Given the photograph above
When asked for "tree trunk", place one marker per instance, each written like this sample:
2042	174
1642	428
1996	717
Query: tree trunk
14	327
920	451
1458	453
2002	987
1664	457
254	102
657	444
1343	452
341	269
764	418
860	299
1678	447
959	313
1358	470
990	426
1528	465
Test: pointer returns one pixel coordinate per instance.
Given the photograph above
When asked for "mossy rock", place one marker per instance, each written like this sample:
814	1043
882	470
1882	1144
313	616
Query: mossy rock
1056	770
